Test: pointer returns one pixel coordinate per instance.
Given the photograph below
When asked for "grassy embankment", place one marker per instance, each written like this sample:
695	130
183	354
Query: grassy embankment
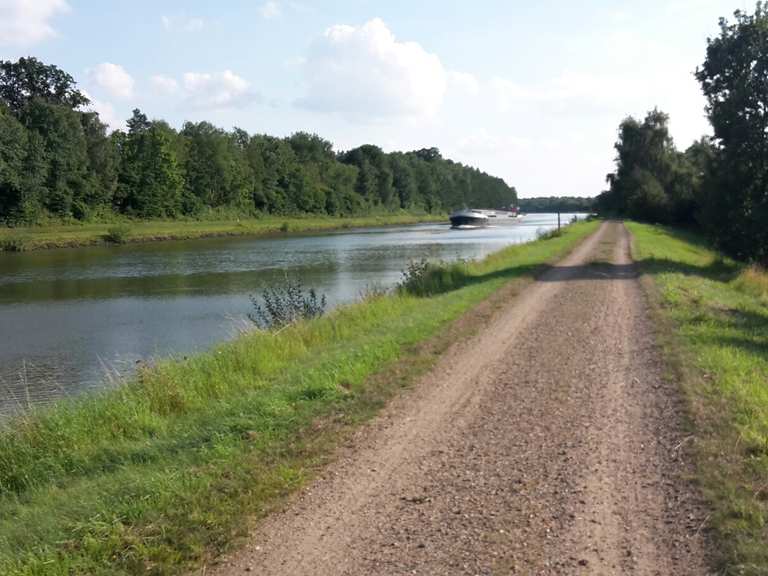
162	473
70	235
716	315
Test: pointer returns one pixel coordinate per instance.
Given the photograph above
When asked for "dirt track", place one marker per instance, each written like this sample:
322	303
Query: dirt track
547	444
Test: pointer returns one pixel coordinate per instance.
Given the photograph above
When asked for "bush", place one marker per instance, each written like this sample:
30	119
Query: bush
424	278
280	306
117	234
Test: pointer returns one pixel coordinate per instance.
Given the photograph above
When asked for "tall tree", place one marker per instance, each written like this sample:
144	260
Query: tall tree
653	181
150	182
13	149
734	78
68	188
29	79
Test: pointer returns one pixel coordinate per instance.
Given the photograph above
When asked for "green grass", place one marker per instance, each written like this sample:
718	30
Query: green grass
717	312
70	235
165	472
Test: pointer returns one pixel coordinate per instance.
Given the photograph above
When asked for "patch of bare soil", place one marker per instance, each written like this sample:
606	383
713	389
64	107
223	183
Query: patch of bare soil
546	444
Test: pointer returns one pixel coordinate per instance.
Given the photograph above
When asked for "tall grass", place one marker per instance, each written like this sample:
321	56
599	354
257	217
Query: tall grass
165	471
718	316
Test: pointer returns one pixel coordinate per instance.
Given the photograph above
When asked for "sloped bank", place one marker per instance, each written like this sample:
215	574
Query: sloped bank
712	315
159	474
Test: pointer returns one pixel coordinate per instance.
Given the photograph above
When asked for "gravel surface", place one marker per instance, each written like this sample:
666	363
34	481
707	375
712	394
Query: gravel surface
546	444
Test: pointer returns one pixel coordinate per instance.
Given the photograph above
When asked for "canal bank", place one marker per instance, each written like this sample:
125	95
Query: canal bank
163	472
24	239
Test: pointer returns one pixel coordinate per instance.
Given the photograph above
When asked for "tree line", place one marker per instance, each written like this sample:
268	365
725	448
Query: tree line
59	161
718	184
548	204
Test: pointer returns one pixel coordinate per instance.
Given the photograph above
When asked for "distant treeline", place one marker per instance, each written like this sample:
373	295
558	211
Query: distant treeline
556	204
58	161
718	184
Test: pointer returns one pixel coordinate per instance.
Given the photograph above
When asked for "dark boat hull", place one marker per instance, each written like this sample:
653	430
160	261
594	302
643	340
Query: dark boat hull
461	220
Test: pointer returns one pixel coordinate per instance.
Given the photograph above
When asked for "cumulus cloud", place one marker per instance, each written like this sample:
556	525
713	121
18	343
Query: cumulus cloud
464	82
106	112
364	72
113	78
164	84
270	10
218	90
25	22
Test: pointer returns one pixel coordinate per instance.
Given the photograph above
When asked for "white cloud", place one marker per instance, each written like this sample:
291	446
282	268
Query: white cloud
270	10
186	24
164	84
366	73
26	22
106	112
483	143
464	81
113	78
220	90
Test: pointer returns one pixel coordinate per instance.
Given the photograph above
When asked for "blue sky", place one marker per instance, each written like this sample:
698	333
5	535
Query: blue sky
530	91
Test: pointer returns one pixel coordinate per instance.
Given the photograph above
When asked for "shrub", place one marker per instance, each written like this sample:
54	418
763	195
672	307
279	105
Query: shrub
424	278
282	305
117	234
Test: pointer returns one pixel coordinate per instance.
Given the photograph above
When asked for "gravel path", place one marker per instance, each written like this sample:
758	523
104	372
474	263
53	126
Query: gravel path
547	444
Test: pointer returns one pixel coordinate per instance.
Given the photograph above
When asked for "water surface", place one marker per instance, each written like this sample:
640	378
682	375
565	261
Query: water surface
75	319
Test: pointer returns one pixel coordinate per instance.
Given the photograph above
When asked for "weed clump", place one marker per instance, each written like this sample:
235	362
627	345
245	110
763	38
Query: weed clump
280	306
117	234
424	278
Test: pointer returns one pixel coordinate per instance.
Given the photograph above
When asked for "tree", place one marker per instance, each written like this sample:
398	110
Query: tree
102	161
215	167
29	79
150	183
734	78
68	188
57	160
653	181
13	148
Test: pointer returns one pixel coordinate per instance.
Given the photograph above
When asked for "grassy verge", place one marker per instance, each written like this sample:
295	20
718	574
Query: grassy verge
716	315
164	472
63	236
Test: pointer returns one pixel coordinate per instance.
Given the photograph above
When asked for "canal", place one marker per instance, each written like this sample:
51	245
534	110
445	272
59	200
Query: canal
78	319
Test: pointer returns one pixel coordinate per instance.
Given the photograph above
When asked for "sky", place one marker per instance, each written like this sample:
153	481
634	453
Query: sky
529	91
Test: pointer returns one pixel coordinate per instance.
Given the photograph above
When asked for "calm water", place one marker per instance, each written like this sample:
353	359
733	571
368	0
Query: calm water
72	320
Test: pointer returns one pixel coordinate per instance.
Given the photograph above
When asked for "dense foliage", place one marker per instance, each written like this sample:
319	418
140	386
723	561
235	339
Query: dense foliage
734	78
720	184
551	204
653	180
57	160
